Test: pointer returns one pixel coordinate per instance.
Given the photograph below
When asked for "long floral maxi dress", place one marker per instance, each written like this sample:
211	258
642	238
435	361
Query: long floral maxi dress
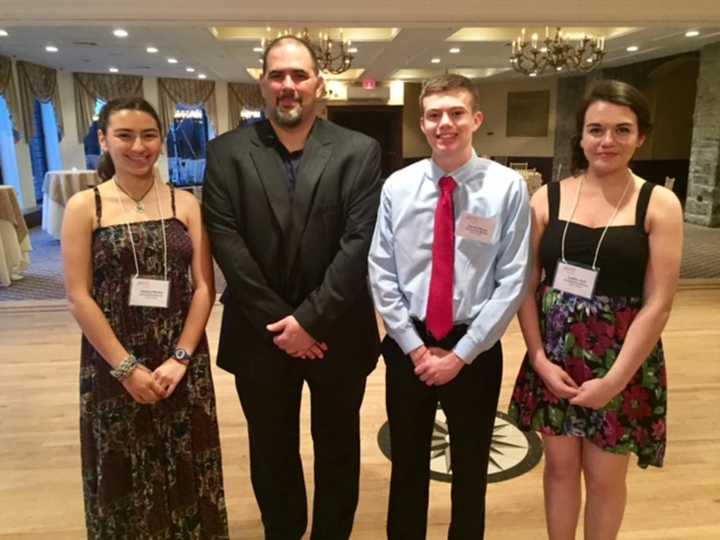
149	471
584	337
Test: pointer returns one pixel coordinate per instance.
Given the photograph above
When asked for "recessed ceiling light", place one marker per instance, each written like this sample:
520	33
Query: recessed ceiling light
189	69
692	33
435	61
352	50
632	48
3	33
119	32
152	50
533	74
51	48
455	50
172	61
113	70
258	49
202	76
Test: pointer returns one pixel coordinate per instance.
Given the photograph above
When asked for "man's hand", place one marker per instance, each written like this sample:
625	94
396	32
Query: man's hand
294	340
418	355
438	367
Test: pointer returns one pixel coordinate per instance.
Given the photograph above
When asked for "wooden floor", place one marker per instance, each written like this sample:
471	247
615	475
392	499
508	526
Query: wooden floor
40	489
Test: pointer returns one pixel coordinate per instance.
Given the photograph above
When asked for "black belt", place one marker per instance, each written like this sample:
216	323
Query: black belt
448	342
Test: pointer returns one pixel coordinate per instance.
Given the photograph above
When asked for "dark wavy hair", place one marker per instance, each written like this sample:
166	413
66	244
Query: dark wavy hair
105	166
611	91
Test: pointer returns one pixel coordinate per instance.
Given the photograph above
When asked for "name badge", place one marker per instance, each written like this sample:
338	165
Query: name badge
575	279
149	292
476	228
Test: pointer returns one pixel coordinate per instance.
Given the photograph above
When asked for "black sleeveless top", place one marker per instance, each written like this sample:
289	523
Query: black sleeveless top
623	254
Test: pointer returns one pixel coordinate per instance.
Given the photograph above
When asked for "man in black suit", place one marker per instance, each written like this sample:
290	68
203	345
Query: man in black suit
290	206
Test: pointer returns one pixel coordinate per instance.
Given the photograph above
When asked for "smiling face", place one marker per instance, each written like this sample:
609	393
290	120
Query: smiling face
610	137
448	123
290	86
133	141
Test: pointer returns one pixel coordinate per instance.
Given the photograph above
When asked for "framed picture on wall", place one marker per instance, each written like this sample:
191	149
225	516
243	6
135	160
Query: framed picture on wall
528	113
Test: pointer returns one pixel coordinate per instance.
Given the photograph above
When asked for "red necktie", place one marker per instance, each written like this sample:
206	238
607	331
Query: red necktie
439	316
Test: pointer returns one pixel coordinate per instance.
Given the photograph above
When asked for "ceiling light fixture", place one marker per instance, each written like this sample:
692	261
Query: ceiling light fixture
3	33
532	57
435	61
632	48
120	33
51	48
258	49
190	69
455	50
334	56
172	60
202	76
692	33
152	50
113	70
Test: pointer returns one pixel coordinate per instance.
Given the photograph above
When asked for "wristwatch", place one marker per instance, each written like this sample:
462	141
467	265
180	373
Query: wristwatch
182	356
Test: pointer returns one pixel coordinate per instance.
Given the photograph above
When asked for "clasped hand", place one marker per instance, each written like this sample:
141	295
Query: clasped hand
294	340
148	387
435	366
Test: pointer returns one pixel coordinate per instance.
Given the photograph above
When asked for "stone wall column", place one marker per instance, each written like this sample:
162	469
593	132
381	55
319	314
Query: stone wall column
571	91
702	205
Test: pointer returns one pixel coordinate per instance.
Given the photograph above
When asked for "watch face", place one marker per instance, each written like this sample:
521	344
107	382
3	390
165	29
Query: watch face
181	354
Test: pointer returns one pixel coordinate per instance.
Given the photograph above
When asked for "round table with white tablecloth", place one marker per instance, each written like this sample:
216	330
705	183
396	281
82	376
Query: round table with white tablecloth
58	187
15	244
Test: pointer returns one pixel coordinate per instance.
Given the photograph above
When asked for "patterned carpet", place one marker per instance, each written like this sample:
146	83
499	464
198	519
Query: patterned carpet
44	280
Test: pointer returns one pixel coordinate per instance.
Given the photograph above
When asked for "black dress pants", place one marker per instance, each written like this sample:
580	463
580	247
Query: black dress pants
469	402
271	404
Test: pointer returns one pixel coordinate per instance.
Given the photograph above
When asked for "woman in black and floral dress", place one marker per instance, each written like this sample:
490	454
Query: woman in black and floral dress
608	245
139	280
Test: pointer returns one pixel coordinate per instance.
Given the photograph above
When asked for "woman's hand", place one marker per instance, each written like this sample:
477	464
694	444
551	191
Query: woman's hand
141	385
556	379
168	375
594	394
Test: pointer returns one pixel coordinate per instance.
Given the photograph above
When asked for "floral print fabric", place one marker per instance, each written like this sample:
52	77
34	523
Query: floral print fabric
584	337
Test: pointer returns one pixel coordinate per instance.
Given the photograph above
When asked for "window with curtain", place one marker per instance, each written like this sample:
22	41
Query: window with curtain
9	173
44	145
91	144
187	146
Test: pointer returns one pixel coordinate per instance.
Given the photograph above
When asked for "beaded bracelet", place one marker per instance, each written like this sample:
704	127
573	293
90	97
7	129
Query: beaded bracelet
125	368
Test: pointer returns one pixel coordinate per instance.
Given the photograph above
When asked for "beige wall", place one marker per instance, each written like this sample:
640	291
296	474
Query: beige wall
491	139
671	92
414	143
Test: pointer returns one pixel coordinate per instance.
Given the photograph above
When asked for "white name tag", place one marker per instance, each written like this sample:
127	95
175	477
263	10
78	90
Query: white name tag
476	228
574	279
149	292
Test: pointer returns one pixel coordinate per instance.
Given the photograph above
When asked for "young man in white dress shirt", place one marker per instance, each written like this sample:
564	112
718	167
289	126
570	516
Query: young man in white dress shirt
448	266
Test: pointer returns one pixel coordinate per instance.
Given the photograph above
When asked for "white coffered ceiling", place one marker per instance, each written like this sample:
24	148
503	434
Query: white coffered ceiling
394	39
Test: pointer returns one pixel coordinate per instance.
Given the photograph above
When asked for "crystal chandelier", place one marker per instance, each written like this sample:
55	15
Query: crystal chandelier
532	57
333	56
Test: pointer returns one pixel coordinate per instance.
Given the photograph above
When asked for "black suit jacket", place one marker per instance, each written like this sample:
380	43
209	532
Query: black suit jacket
305	256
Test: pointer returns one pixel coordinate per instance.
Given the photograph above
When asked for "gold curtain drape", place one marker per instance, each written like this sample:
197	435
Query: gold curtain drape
187	92
8	91
242	96
89	87
37	82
